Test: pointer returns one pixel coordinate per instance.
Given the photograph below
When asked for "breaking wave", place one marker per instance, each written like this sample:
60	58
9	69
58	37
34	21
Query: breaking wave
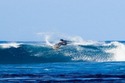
77	50
42	52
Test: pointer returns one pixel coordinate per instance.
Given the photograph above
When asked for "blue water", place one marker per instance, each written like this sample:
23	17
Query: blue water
36	62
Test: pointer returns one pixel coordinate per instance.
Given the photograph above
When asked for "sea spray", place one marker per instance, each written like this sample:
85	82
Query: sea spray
118	51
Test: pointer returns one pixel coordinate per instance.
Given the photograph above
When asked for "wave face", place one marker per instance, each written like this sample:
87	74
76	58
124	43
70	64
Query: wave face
39	52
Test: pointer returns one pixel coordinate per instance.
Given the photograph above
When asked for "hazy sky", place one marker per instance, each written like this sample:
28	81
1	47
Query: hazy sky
90	19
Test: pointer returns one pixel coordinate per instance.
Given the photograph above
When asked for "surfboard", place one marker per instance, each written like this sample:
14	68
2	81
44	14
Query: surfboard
56	46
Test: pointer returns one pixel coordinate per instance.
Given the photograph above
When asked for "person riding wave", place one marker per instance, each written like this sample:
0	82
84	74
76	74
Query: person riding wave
62	42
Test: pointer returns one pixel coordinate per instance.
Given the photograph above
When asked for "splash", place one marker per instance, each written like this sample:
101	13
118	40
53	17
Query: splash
77	40
53	38
118	52
47	37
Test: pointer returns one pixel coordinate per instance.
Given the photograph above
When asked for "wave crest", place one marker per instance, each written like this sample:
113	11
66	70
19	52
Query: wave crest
9	45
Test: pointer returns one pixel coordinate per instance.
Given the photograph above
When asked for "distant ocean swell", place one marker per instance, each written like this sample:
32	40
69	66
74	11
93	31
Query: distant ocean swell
42	53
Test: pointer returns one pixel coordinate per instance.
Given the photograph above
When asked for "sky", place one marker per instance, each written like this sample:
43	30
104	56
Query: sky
21	20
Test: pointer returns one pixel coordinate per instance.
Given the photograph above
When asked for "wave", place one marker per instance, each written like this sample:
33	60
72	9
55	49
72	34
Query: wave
42	52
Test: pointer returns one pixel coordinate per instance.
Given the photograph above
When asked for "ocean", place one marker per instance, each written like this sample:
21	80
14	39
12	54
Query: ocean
86	62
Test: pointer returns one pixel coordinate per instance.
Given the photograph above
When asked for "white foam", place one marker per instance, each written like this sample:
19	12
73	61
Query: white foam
77	40
9	45
111	43
118	52
47	37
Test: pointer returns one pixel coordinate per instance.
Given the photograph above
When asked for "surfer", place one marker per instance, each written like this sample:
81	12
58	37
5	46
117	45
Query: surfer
62	42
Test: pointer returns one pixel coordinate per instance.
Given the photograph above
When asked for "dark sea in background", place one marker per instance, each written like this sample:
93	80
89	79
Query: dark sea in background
38	62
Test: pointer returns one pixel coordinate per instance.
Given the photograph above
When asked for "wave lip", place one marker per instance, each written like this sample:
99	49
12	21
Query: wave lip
9	45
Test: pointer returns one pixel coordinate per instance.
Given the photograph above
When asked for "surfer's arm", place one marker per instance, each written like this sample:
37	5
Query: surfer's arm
62	43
